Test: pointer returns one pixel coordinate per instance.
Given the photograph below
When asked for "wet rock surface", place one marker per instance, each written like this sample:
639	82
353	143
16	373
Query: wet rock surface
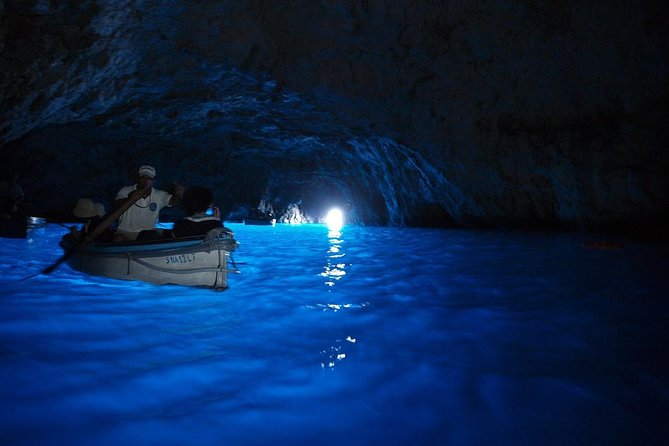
530	114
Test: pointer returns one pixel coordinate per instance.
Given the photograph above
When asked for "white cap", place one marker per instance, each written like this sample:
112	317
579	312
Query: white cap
149	171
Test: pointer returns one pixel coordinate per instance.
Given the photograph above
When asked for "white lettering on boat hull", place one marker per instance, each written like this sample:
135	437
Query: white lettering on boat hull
183	258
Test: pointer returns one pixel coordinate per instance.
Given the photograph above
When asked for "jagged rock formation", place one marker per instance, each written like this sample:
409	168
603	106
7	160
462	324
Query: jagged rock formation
520	114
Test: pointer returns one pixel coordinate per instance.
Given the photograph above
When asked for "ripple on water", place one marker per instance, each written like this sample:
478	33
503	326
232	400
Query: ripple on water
372	336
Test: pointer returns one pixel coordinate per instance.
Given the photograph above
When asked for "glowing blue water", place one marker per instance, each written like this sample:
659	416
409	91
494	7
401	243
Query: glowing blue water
376	336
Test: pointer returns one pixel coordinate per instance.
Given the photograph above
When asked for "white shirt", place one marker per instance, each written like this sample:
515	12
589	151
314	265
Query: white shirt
143	214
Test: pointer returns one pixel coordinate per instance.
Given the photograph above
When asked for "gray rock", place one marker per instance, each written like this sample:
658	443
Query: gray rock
527	114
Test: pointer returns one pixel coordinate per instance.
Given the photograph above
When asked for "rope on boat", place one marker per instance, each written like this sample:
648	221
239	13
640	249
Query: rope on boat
234	264
221	237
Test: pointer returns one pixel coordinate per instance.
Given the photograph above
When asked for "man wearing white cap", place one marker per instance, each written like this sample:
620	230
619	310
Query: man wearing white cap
143	214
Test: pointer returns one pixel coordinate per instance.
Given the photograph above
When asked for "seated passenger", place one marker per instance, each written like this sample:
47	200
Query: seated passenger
204	217
12	199
95	213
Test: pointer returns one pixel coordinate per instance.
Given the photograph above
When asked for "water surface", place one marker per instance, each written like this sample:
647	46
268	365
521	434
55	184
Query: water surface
369	336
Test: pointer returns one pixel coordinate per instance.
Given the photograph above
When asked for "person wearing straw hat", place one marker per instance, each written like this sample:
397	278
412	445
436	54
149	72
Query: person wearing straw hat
139	221
94	212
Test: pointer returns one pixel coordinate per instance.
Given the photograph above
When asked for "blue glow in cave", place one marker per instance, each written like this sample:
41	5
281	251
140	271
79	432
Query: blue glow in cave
374	330
368	335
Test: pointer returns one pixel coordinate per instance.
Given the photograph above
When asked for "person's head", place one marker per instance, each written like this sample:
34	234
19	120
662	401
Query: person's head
145	176
197	199
100	209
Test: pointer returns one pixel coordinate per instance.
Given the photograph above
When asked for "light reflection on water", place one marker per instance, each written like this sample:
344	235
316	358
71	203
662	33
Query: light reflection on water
366	336
334	269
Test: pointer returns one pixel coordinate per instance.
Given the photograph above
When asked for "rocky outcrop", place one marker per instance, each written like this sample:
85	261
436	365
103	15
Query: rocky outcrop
522	114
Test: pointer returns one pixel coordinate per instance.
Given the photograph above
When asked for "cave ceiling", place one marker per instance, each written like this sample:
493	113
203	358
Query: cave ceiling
402	113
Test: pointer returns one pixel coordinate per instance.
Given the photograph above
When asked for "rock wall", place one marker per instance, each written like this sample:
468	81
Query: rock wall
519	114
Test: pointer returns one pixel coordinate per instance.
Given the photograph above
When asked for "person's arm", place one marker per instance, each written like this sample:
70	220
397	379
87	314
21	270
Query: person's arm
119	202
177	195
134	195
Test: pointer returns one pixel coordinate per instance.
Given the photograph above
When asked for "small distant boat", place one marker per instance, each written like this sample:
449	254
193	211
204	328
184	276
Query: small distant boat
17	227
35	222
267	221
200	261
258	217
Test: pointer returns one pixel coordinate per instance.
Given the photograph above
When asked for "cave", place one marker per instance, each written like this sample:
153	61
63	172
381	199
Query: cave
499	275
533	115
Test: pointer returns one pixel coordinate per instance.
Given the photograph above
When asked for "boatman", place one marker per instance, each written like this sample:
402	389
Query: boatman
139	221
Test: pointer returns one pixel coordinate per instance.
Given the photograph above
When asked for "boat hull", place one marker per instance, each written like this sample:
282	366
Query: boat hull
194	261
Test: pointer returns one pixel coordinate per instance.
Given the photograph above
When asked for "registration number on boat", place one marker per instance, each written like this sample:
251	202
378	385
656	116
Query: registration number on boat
182	258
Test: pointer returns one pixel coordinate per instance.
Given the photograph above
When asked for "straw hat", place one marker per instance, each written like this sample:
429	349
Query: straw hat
86	208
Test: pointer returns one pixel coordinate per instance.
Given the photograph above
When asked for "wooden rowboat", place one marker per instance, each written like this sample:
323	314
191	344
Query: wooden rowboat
200	261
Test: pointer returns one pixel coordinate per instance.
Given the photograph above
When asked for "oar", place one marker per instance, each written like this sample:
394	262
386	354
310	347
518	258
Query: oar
132	198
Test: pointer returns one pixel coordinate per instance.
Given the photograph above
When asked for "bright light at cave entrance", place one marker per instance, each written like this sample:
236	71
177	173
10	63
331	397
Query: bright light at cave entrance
334	220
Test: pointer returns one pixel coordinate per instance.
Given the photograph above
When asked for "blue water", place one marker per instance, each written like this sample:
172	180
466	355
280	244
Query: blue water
374	336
